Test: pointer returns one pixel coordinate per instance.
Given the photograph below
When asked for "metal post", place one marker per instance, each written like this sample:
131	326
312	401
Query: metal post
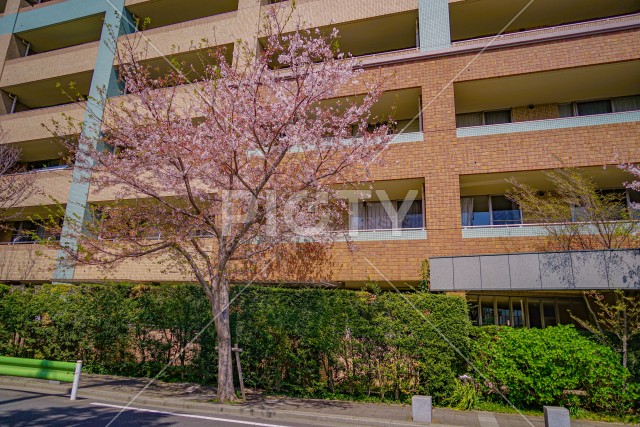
76	380
28	47
237	351
14	102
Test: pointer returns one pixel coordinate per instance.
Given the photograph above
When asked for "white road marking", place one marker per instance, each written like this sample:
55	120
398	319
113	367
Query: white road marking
201	417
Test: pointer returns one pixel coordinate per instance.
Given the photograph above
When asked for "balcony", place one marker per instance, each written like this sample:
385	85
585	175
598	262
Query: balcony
162	13
53	185
47	93
50	65
549	100
28	125
400	109
385	210
375	37
37	38
486	212
471	19
26	263
184	37
315	12
567	30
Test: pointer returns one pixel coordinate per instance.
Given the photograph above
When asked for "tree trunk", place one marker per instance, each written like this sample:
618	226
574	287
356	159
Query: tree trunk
226	391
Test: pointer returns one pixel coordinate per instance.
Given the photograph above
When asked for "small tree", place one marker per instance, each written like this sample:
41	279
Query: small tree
575	214
231	176
618	319
578	216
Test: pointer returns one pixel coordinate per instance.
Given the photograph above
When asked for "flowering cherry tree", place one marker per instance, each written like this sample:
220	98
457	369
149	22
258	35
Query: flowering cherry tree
232	176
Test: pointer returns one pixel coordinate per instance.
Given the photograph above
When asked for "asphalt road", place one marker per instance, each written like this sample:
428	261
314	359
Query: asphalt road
21	409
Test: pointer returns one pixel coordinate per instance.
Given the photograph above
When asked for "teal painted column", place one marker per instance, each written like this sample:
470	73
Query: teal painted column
433	18
104	83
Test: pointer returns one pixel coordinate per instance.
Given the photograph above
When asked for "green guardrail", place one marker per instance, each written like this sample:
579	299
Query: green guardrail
42	369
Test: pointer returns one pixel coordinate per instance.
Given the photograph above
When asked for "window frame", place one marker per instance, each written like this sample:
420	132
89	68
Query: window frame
483	114
398	224
491	224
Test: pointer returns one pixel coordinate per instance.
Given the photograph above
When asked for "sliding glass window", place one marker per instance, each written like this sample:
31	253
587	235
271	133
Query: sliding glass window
489	210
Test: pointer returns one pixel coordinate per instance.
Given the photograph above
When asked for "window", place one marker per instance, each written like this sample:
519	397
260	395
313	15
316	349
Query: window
373	216
518	313
626	198
483	118
633	202
469	119
486	310
626	103
549	311
589	108
489	210
497	117
30	232
566	110
44	164
535	320
472	303
504	313
413	218
603	106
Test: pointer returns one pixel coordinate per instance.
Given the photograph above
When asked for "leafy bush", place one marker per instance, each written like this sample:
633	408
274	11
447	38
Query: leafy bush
311	342
305	342
320	343
551	366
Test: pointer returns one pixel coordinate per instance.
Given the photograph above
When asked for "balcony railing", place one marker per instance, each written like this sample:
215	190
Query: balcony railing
525	230
27	239
549	124
387	234
579	26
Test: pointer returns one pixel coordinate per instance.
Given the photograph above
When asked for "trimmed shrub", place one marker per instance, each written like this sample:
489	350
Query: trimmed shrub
551	366
319	343
306	342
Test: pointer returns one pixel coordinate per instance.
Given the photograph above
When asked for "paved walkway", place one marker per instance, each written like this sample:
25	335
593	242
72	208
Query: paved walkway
190	396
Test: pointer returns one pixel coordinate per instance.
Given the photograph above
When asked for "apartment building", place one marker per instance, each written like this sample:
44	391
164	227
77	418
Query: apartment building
483	90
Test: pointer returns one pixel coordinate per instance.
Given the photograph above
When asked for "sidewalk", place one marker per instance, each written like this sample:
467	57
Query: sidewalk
194	397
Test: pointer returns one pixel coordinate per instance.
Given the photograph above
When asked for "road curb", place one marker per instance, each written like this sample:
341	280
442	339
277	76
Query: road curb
168	403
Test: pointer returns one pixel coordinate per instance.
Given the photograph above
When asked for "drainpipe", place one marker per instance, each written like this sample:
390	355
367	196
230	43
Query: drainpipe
420	113
14	102
28	45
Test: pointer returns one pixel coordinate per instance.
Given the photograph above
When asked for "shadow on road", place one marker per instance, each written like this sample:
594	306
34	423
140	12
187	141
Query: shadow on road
36	409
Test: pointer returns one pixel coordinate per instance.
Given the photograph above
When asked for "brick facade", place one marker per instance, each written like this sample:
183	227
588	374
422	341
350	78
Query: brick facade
440	159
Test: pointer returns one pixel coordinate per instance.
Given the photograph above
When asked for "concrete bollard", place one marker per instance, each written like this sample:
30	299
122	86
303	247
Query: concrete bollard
421	408
556	416
76	380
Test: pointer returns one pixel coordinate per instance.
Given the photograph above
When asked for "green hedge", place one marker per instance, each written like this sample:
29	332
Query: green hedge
305	342
552	366
311	342
315	342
